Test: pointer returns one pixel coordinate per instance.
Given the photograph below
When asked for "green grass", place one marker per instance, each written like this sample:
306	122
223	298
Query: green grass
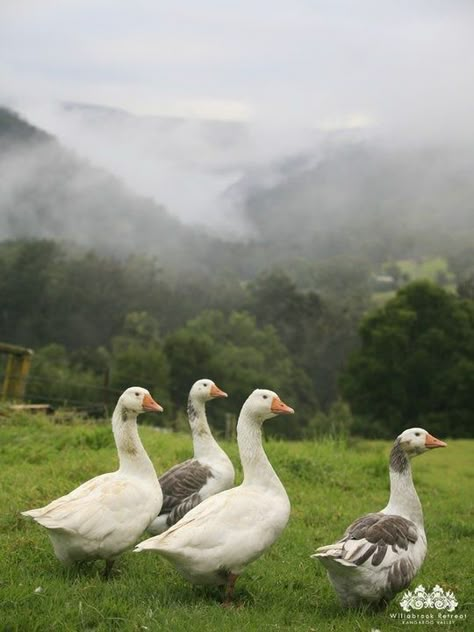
329	485
425	269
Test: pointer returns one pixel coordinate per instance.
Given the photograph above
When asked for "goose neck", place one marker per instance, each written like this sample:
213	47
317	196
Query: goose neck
133	457
256	466
403	500
203	442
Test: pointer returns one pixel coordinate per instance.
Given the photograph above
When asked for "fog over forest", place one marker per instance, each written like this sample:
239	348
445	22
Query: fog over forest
348	192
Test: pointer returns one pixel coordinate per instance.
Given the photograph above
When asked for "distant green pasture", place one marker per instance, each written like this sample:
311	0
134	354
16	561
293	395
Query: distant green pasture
425	268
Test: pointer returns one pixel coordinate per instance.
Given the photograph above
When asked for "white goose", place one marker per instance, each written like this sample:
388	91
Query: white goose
107	514
209	472
216	540
381	553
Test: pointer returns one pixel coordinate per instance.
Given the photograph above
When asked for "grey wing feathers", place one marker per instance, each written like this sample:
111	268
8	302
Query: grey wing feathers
381	531
379	544
400	575
182	509
182	482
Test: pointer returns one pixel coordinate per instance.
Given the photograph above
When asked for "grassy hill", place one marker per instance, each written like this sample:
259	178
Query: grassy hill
434	269
329	484
431	269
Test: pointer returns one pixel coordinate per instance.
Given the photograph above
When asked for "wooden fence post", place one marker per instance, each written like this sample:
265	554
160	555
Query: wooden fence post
16	371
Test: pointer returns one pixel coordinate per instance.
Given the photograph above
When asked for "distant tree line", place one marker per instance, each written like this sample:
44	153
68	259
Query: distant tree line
98	325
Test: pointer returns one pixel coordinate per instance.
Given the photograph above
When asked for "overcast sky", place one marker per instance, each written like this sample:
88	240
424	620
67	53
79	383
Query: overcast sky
404	64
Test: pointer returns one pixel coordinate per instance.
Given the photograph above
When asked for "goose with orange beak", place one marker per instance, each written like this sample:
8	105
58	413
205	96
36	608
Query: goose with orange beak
106	515
209	472
216	540
380	553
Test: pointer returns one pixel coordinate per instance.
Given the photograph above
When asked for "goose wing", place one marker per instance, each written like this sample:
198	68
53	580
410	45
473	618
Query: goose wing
181	486
377	542
94	509
223	518
370	538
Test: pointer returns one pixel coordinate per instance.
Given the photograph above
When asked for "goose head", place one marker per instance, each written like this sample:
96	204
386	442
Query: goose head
415	441
138	400
205	390
263	404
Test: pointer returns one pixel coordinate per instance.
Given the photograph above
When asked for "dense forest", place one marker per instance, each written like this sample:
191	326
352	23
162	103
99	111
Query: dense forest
109	289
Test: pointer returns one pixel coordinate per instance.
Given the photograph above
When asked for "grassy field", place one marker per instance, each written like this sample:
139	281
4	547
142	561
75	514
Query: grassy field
329	484
428	269
425	269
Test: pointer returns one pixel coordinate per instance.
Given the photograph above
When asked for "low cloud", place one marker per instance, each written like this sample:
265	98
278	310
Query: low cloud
204	100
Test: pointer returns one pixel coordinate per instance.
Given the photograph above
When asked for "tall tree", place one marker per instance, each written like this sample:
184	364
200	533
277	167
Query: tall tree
318	333
239	356
138	359
26	271
415	365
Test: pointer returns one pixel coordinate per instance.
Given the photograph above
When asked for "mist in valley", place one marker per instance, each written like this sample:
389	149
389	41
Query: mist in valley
327	121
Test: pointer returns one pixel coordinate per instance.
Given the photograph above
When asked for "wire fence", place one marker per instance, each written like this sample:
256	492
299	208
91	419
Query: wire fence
82	396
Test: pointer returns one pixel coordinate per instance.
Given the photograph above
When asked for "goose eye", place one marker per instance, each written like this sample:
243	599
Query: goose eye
137	394
417	434
265	396
205	384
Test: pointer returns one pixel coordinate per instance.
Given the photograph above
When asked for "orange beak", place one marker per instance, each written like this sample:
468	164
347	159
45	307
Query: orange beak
280	408
433	442
216	392
149	404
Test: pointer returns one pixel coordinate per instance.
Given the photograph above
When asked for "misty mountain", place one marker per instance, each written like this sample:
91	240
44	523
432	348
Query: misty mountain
184	164
348	195
341	192
368	199
47	191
